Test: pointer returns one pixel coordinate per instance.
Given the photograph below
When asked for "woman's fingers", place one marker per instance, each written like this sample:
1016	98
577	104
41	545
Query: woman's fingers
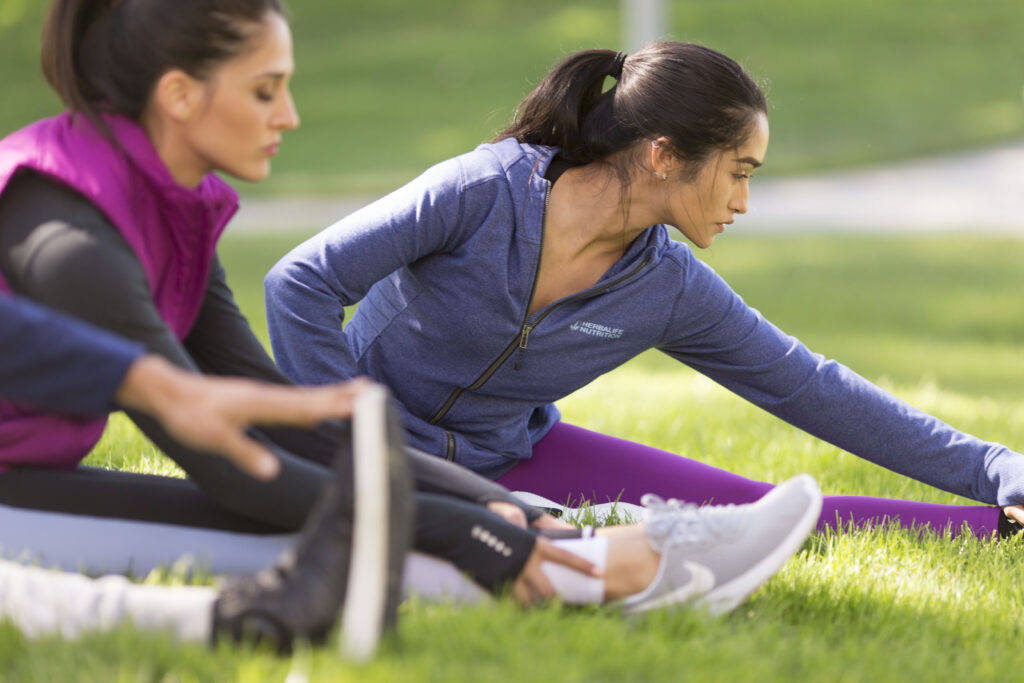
1015	512
249	456
549	552
512	514
532	585
547	521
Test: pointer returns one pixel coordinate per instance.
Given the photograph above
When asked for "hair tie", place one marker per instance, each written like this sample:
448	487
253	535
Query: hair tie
617	64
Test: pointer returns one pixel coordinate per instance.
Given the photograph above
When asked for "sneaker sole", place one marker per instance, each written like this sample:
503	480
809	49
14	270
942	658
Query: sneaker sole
379	534
702	582
728	596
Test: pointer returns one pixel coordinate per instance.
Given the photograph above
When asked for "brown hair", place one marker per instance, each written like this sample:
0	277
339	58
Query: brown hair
107	55
696	97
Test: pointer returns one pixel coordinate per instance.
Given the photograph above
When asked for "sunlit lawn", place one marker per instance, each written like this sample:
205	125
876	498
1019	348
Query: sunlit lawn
936	316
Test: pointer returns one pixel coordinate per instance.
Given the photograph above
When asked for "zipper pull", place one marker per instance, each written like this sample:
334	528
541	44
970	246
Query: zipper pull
523	339
450	451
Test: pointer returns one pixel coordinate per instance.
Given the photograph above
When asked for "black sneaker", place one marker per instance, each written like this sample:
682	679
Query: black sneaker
383	492
349	556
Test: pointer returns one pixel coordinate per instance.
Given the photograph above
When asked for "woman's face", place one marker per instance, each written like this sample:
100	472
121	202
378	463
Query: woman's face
701	207
247	106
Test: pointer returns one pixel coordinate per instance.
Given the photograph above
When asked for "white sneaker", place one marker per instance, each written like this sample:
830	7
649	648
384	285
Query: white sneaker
678	582
738	547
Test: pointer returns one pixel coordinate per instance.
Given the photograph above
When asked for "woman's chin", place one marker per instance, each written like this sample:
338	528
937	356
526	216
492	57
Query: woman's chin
253	174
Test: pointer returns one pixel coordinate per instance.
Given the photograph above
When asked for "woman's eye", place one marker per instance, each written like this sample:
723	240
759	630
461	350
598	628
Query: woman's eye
263	96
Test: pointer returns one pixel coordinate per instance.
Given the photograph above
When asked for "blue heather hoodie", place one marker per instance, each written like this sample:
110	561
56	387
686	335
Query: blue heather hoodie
444	269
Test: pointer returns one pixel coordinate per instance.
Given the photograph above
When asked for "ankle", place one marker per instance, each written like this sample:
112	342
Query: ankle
632	565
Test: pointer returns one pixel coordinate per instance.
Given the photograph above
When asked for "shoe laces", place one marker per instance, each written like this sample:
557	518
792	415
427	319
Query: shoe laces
673	521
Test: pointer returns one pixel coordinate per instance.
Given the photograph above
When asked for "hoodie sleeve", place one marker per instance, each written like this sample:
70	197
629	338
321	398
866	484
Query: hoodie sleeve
713	331
57	362
307	290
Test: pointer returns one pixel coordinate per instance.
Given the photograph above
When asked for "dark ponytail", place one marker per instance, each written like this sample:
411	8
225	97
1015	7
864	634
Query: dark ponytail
107	55
698	98
568	105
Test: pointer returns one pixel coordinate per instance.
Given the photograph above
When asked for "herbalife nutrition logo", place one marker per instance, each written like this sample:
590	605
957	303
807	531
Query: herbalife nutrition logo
596	330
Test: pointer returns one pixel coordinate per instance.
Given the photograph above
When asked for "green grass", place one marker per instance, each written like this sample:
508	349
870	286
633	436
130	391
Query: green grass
873	605
387	88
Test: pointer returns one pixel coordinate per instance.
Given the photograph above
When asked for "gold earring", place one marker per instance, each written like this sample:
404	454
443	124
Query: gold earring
663	176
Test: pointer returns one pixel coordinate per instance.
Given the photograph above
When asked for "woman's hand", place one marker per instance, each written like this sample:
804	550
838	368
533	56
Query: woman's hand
511	513
532	585
514	514
1015	512
211	414
547	521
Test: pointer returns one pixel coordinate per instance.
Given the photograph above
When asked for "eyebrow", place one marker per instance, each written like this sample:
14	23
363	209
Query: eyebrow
749	160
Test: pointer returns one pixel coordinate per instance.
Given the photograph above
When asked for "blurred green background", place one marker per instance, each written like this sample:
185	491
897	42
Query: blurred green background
386	88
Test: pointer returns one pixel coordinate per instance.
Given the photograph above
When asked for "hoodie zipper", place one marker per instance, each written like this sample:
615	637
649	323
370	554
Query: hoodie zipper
528	327
449	453
524	333
522	339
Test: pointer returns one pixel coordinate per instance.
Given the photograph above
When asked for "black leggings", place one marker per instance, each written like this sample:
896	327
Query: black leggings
59	250
443	525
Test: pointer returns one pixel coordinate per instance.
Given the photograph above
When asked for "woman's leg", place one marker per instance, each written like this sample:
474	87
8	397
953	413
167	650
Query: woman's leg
98	492
42	602
99	545
571	464
45	601
104	521
574	464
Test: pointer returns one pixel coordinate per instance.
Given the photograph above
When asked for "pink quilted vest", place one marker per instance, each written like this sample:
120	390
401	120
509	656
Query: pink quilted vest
173	230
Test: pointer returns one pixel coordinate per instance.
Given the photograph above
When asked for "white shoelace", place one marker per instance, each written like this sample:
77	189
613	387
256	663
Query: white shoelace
672	521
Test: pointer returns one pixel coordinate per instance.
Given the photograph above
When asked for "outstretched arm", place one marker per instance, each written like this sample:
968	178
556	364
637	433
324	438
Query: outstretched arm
716	333
212	414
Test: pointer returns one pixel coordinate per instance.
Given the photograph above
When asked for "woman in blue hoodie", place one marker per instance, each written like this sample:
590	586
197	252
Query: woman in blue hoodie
504	279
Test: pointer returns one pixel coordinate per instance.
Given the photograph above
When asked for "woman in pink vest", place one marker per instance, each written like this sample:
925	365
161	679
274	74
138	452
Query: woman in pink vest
111	211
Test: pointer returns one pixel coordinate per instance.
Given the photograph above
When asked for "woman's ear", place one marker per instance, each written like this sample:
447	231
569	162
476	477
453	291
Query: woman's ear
178	96
663	161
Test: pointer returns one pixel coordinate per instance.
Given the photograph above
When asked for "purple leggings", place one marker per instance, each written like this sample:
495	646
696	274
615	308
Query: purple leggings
573	464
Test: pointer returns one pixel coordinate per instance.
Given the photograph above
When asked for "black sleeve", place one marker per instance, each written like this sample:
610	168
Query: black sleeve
485	546
222	342
437	475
